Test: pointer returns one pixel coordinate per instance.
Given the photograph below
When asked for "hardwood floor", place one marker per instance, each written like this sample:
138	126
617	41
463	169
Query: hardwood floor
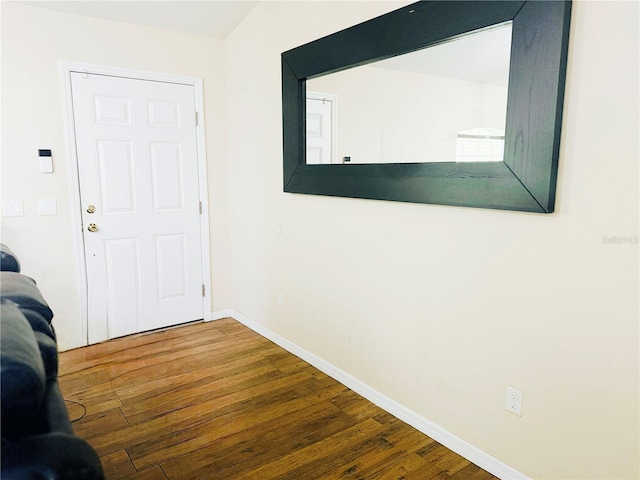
217	401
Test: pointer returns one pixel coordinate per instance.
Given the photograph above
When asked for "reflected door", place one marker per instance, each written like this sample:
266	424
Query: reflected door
137	165
320	128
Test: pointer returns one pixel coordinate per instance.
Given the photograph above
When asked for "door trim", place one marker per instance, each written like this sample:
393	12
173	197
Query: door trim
76	215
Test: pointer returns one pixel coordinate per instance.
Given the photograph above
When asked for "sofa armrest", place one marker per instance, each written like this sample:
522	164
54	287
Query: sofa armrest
8	261
24	292
22	374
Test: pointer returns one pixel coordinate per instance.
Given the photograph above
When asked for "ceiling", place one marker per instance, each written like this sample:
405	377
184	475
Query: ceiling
206	18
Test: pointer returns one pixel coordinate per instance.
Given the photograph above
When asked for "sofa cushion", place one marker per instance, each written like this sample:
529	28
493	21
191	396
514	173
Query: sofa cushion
46	338
22	373
39	323
56	455
49	354
8	261
23	291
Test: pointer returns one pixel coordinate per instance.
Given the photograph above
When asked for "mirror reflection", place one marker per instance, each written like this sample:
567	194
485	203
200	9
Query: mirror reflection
446	103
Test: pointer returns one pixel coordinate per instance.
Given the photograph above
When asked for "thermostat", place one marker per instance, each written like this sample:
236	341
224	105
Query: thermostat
46	161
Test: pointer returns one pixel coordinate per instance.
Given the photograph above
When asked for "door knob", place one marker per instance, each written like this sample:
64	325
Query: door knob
92	227
91	209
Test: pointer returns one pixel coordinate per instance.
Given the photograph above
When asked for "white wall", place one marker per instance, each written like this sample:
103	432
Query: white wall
441	308
35	41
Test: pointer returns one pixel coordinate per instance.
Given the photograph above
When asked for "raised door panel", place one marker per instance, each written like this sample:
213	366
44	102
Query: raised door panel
171	261
116	176
167	174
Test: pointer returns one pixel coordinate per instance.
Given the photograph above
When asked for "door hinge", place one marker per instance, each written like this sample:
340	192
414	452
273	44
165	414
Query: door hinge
196	119
200	207
204	290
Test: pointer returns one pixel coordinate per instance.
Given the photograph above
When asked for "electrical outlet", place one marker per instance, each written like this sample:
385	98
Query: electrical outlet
514	401
280	298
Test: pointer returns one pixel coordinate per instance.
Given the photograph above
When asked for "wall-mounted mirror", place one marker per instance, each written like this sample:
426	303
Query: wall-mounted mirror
447	102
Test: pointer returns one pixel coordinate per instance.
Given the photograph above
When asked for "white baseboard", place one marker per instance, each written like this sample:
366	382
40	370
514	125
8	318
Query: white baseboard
220	314
461	447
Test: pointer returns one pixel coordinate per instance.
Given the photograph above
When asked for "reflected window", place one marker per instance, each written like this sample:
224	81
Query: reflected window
480	145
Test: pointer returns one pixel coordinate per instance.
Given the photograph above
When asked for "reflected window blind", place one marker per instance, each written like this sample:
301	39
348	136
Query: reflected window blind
480	145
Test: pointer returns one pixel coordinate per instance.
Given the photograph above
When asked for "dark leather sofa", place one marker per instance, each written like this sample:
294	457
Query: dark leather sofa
38	441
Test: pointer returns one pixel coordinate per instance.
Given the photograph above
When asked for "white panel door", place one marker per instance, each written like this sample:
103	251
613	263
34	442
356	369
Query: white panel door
137	165
320	128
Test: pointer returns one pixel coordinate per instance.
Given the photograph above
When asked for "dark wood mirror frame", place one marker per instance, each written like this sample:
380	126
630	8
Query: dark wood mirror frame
525	180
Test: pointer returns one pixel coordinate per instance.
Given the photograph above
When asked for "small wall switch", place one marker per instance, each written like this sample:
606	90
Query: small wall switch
514	401
47	206
45	161
12	208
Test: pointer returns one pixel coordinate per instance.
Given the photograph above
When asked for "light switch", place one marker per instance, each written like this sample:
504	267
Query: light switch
47	206
12	208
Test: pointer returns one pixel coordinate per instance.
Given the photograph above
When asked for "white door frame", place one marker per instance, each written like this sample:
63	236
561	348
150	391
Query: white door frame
76	214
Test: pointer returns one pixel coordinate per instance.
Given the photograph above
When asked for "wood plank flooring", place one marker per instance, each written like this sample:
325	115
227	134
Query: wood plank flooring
217	401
